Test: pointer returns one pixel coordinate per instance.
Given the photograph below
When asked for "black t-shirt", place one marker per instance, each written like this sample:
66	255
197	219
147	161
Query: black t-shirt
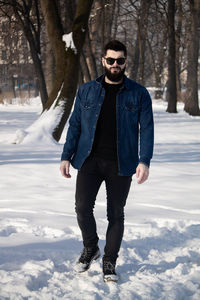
105	141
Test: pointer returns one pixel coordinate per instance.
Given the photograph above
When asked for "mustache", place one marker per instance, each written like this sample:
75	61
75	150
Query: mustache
115	68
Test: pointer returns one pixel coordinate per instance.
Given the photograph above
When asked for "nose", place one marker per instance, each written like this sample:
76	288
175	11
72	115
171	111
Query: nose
115	64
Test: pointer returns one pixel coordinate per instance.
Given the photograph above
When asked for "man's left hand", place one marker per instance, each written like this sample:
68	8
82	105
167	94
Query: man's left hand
142	173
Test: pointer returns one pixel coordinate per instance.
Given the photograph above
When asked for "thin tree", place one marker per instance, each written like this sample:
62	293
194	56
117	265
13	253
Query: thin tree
157	41
171	95
28	16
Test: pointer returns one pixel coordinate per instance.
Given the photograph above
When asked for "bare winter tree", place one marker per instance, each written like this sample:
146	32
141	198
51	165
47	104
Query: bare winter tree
108	8
191	95
140	10
178	46
100	32
90	49
157	42
48	61
66	57
171	95
28	16
88	61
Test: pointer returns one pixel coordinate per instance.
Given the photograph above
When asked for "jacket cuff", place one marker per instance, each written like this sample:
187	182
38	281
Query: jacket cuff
145	161
65	156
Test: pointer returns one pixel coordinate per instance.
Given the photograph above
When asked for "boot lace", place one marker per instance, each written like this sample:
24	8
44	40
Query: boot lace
108	267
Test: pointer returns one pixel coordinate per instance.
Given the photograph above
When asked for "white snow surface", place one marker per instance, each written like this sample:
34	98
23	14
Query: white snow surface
39	237
69	42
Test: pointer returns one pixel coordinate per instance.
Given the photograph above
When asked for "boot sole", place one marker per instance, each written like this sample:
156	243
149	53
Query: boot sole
110	278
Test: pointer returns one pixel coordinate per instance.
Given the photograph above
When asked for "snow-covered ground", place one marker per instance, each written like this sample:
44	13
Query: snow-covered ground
39	237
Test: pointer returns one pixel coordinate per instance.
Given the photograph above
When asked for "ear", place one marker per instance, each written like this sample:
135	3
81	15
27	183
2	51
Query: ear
103	61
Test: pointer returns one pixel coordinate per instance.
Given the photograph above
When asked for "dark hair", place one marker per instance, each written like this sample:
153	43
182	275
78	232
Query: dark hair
116	46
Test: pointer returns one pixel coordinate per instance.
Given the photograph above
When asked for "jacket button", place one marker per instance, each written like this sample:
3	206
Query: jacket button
96	115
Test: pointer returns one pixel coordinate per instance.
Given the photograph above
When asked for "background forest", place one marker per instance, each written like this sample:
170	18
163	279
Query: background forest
162	38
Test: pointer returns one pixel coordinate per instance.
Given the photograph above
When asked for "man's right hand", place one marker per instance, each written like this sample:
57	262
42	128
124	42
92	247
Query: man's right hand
64	168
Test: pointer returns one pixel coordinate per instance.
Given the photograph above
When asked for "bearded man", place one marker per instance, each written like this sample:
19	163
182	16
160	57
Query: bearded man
110	138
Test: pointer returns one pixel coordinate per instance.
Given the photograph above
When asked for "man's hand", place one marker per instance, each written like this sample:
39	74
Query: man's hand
64	168
142	173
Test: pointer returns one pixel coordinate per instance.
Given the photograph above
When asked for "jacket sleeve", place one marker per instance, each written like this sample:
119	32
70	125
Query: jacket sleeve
74	131
146	129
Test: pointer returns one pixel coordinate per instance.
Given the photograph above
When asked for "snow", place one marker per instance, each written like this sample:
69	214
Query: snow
39	237
42	129
69	42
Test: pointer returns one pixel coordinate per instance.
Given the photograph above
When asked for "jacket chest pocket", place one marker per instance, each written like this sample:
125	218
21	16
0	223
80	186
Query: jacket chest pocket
130	107
87	104
131	114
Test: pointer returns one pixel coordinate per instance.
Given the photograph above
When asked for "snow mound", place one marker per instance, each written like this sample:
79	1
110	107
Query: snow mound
19	136
41	130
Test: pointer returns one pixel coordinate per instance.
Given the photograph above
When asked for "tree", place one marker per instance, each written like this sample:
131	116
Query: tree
191	95
16	64
178	46
157	42
171	85
66	58
100	32
28	16
142	15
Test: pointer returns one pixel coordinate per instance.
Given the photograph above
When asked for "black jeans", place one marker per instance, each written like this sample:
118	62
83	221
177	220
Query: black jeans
93	172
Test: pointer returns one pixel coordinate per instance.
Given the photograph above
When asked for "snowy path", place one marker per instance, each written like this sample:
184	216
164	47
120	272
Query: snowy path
39	238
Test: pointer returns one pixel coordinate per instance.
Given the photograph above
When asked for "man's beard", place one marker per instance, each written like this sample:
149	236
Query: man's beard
115	77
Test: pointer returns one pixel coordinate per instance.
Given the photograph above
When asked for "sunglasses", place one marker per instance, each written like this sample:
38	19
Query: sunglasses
120	60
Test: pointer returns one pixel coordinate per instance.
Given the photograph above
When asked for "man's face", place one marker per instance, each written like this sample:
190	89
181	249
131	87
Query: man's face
114	70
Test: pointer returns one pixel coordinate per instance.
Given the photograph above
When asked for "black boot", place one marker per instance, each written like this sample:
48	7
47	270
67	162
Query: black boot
87	256
109	273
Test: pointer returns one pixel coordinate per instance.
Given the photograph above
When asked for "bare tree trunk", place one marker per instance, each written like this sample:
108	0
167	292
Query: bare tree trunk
191	95
157	65
102	25
178	46
84	68
95	25
33	37
39	71
13	86
109	9
143	23
116	16
139	55
67	59
55	33
102	29
89	56
136	59
94	39
48	64
171	86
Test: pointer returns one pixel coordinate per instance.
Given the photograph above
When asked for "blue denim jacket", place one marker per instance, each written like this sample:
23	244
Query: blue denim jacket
134	125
